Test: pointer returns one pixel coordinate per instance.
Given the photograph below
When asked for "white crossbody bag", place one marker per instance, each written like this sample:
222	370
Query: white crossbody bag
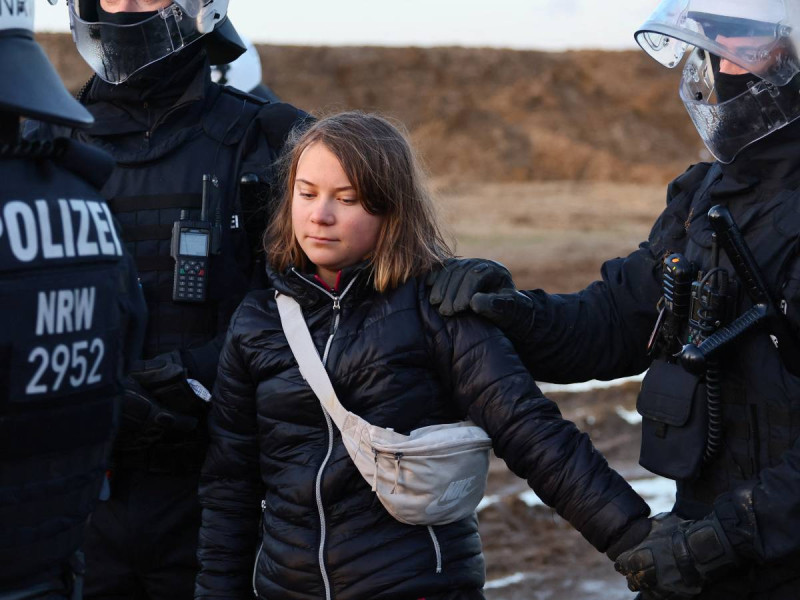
433	476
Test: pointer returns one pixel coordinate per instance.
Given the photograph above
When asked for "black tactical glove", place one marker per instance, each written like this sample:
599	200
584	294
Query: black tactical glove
487	288
677	558
156	399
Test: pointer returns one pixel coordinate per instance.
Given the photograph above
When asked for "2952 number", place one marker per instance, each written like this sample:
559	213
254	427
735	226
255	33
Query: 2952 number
76	364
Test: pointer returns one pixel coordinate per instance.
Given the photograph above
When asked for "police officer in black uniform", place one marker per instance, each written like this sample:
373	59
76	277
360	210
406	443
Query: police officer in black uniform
194	168
710	303
71	305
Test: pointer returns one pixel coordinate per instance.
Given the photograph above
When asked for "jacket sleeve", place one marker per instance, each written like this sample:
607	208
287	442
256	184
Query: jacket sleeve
230	485
602	332
490	384
762	518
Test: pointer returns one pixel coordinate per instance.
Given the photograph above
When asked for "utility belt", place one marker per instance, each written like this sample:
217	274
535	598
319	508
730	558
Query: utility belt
681	397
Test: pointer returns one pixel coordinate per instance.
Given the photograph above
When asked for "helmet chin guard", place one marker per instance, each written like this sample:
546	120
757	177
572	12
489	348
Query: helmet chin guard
117	51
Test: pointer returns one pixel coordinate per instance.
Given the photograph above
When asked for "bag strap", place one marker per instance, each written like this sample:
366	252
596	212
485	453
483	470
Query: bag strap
311	367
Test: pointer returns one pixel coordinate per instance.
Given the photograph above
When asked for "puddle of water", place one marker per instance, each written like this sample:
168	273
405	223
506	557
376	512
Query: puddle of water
632	417
506	581
657	491
587	589
586	386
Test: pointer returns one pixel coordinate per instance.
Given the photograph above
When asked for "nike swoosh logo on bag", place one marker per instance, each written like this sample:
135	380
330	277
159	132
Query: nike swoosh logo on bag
455	493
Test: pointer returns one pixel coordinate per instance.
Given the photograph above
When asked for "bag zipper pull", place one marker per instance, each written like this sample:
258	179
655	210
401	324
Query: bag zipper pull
397	458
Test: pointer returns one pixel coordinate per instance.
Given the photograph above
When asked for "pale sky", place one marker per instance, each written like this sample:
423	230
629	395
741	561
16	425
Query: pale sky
530	24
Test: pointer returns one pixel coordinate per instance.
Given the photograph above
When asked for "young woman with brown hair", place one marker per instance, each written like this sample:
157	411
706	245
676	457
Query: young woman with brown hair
286	514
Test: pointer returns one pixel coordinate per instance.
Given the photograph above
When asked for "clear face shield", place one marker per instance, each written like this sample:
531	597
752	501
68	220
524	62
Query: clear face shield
116	52
760	37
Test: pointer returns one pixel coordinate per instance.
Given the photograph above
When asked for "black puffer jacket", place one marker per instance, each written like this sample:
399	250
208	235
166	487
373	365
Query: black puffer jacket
394	361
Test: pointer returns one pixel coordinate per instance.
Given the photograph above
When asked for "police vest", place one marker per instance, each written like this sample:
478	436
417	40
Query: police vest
149	191
61	274
760	398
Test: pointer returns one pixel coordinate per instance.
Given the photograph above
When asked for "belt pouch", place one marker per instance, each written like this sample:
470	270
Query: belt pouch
673	405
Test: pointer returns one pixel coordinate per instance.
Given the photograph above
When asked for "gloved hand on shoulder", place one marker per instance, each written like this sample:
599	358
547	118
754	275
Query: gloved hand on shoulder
677	557
485	287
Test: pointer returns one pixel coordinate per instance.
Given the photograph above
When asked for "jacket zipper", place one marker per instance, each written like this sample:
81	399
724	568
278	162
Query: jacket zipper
437	549
260	548
337	307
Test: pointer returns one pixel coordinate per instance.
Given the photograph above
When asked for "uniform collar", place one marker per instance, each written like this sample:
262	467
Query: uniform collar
772	162
138	106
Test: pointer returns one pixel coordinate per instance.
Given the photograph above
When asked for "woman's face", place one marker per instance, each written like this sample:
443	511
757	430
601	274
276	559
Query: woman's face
328	220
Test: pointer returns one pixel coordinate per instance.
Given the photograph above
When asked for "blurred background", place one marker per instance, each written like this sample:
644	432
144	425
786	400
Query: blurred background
549	139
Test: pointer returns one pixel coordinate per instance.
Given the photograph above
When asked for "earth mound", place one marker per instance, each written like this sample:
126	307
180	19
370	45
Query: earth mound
490	115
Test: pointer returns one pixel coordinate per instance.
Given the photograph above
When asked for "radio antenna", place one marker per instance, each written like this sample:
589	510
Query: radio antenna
204	206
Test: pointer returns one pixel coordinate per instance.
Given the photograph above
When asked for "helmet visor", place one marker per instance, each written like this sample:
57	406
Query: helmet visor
730	126
761	37
115	52
190	7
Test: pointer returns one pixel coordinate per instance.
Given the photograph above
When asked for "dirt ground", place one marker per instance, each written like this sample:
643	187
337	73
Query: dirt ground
553	235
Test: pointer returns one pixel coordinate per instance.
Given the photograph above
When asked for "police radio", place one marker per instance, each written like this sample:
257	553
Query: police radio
677	276
192	244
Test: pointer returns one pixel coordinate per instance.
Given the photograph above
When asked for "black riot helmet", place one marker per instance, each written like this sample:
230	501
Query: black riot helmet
116	50
29	85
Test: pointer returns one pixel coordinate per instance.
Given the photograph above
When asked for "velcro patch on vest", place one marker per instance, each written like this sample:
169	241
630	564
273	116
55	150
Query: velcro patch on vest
41	233
63	336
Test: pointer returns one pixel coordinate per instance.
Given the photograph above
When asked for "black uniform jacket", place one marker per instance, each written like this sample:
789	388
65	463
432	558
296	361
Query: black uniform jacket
394	361
72	312
602	332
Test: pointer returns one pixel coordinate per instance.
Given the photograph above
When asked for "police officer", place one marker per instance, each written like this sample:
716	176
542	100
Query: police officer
725	425
194	168
71	306
244	74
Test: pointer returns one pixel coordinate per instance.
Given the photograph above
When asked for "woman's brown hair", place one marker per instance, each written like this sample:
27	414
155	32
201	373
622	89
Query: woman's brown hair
382	167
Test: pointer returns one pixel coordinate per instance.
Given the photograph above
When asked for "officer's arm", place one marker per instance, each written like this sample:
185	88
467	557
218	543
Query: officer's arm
600	332
230	487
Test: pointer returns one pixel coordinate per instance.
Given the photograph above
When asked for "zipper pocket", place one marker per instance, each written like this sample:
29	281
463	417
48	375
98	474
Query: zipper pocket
476	444
436	548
